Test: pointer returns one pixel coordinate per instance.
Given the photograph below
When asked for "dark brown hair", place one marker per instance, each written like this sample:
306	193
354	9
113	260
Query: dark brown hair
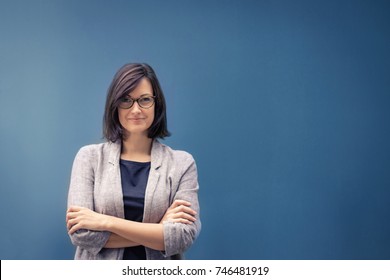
124	82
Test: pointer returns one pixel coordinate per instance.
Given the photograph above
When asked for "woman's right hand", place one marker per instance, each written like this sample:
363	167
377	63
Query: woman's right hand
179	212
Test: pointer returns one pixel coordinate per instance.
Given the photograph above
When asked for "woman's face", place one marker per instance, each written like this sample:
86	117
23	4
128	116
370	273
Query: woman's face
137	120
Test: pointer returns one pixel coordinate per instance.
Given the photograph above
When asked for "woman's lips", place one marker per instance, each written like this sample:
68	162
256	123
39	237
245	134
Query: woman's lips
136	119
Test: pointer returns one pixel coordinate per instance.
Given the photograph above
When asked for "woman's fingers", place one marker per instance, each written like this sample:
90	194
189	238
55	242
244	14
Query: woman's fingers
72	212
179	202
75	208
182	215
74	228
182	208
183	221
81	217
71	221
180	212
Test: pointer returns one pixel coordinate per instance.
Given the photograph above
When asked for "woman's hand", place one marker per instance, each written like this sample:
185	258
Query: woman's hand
179	212
84	218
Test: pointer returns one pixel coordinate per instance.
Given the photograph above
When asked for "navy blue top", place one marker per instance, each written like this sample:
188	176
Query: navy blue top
134	176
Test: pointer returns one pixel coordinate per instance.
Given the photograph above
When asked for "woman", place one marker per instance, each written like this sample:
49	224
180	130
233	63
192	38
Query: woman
133	197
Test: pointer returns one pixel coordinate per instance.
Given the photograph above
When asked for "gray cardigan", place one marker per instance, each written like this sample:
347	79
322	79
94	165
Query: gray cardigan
96	184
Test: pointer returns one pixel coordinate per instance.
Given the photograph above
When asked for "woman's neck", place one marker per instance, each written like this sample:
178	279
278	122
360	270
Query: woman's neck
137	148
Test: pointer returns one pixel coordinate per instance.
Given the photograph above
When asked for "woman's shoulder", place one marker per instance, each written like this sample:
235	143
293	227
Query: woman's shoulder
98	149
177	156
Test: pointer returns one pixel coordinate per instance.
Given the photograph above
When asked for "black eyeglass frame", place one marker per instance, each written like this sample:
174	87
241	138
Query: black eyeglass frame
136	100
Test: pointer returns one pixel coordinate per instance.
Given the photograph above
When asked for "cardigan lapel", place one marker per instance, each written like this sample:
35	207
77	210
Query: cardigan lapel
154	175
115	177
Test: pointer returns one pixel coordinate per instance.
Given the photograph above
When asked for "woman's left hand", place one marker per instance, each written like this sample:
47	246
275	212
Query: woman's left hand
179	212
84	218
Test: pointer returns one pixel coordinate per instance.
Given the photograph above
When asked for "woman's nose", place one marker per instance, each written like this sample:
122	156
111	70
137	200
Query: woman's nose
135	107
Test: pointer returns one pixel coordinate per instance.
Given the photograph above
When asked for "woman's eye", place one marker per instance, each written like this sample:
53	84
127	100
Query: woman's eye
146	99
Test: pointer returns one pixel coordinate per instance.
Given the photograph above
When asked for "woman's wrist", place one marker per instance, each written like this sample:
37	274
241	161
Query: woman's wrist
107	223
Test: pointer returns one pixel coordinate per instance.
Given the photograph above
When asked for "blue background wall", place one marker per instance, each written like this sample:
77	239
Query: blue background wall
284	105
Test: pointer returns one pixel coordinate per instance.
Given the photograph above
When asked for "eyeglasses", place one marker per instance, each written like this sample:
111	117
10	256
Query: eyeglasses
144	102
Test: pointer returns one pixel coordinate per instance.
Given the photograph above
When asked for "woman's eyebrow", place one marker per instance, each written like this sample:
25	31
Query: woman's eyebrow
143	94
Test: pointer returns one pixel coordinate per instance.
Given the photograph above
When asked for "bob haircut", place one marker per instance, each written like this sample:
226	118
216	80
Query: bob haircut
124	82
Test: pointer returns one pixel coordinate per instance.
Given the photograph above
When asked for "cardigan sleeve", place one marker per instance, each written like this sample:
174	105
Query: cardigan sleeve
179	237
81	193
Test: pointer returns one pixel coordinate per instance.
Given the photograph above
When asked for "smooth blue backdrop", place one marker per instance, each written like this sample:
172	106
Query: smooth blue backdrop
284	105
